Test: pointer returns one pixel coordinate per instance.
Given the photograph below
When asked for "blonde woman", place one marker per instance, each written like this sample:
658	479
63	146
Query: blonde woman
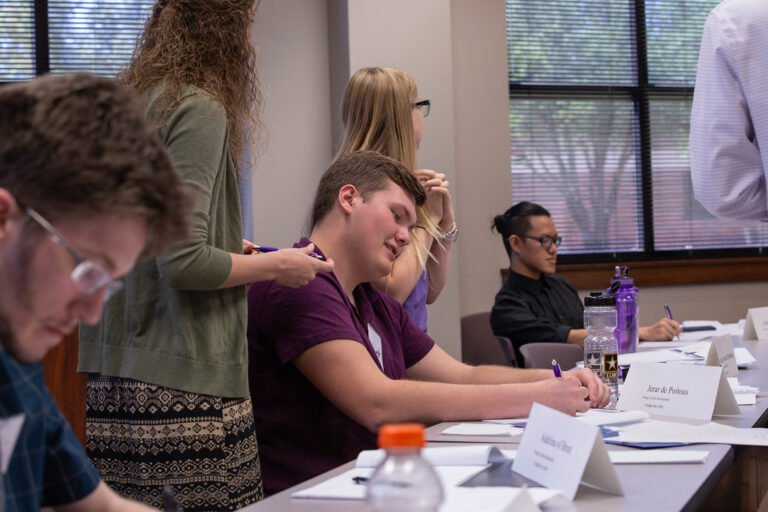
382	112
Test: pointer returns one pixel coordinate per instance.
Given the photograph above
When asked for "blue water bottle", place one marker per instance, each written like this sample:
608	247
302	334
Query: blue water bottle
627	310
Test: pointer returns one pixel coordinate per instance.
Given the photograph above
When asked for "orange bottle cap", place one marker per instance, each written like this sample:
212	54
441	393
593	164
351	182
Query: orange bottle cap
401	435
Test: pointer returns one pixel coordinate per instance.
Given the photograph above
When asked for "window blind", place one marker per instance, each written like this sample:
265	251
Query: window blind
97	36
17	40
599	97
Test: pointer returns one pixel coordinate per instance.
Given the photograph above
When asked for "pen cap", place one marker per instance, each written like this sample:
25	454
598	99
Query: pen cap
401	435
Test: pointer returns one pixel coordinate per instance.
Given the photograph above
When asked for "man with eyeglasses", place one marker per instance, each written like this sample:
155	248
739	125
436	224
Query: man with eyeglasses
85	189
534	305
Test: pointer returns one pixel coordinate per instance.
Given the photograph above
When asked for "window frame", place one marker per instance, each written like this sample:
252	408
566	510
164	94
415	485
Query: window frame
641	94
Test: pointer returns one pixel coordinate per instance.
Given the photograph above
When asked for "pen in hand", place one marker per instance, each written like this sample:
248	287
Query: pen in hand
556	368
269	248
668	312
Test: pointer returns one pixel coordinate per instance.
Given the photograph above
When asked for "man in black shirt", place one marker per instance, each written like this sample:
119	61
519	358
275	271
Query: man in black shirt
534	305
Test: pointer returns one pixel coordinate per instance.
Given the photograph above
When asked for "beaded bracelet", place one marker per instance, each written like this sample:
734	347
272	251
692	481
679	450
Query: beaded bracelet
451	235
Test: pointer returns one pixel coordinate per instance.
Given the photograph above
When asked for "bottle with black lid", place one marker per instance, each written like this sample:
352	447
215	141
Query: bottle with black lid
601	345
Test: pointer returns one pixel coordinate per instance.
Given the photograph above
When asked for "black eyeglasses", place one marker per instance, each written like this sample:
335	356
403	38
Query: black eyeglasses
546	241
424	106
88	276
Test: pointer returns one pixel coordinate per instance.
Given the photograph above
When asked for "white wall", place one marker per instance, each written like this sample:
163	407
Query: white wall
483	186
292	37
456	51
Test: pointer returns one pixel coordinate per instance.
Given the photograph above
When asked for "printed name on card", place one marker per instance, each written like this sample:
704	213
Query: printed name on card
559	452
756	325
721	353
678	391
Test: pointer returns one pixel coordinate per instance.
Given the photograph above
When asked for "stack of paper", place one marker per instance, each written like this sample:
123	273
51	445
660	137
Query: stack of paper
745	395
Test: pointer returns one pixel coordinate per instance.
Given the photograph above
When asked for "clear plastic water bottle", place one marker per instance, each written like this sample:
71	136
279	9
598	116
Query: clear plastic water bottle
404	481
600	346
627	309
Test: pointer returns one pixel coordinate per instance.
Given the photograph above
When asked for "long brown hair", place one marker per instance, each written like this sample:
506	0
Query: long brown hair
203	43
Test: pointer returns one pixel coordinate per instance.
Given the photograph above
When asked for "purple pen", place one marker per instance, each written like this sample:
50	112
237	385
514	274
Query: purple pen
269	248
556	368
669	315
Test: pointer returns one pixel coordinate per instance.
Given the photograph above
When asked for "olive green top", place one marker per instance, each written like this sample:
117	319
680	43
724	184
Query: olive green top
169	325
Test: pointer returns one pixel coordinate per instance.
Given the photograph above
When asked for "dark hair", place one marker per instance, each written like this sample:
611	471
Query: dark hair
516	221
369	172
202	43
79	146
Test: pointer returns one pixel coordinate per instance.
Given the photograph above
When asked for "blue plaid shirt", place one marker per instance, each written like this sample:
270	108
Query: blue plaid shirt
48	466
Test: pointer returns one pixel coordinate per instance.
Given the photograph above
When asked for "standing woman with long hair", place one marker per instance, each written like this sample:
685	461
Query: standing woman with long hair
167	394
382	112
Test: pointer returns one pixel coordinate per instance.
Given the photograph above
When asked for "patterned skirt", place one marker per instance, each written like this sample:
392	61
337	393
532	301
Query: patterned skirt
142	437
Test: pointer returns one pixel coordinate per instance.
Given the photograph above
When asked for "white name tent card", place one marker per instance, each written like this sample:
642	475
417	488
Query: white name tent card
560	452
688	392
721	353
756	326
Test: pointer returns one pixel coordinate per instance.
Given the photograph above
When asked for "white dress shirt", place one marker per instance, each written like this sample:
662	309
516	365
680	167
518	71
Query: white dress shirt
729	119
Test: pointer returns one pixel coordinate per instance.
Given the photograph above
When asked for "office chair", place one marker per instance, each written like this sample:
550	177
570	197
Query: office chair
540	355
478	343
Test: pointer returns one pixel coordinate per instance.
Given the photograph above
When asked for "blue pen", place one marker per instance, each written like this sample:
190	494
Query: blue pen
669	315
268	248
556	368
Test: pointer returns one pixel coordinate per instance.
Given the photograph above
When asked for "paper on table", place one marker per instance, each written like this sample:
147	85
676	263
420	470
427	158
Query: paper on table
343	487
744	357
602	417
646	457
702	335
597	417
666	344
659	457
491	499
745	395
482	429
655	431
465	455
654	356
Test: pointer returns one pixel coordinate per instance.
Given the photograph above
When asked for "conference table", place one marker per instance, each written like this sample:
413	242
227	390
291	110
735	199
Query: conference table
732	478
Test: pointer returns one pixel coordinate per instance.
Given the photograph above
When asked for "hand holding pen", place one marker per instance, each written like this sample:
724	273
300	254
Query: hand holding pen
252	248
290	267
668	313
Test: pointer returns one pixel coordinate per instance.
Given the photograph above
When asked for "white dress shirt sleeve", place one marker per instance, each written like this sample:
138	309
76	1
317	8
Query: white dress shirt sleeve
729	119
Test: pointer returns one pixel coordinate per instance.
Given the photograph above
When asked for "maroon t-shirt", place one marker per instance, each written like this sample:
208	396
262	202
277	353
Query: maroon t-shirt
301	434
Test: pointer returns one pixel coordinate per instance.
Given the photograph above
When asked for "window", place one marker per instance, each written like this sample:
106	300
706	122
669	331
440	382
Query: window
61	36
600	95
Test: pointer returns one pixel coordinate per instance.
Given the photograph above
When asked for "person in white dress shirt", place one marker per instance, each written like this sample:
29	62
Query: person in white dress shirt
729	119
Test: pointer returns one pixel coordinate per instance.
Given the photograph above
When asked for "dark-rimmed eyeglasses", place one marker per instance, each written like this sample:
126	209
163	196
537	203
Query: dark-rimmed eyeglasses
88	276
424	106
546	241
